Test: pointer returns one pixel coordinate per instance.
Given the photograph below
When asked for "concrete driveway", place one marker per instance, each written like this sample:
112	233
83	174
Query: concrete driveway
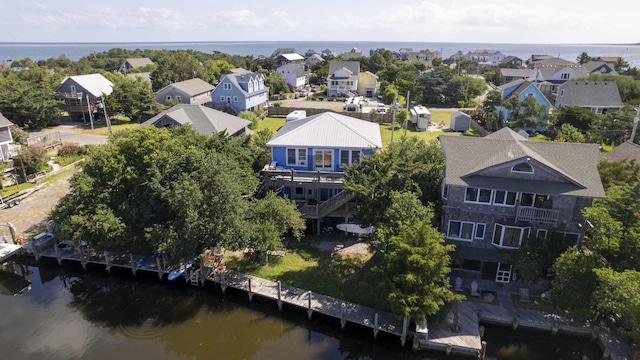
71	133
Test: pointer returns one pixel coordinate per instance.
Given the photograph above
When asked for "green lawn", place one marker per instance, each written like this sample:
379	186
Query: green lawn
304	266
24	186
271	123
116	125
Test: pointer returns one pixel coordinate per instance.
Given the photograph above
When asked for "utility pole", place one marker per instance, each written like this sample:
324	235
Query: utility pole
106	118
90	112
393	118
408	114
635	125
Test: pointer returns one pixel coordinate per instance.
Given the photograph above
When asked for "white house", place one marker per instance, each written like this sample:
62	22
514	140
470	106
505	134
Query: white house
343	78
294	74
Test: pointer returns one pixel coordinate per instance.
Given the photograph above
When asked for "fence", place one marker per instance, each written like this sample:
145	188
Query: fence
46	140
275	111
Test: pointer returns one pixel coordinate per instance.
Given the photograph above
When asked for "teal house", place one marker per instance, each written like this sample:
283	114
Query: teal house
521	89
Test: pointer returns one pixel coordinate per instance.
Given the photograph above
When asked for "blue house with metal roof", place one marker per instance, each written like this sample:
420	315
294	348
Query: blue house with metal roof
241	91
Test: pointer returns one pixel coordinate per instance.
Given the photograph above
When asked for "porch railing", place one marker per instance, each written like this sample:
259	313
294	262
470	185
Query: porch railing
546	216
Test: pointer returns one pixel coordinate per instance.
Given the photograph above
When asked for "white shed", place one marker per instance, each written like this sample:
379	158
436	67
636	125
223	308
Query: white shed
420	117
460	121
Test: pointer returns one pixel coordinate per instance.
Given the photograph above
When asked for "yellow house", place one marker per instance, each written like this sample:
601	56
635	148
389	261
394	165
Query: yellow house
368	84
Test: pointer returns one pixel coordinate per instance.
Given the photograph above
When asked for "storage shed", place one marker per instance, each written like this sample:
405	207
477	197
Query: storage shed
460	121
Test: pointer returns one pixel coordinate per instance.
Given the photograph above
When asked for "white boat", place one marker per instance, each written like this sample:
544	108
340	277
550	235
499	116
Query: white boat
179	271
356	229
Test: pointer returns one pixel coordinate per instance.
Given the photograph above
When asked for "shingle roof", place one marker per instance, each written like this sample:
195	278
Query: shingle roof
589	94
522	73
240	78
330	130
316	57
467	157
625	151
96	84
139	62
592	66
203	119
353	66
192	87
297	69
550	60
4	121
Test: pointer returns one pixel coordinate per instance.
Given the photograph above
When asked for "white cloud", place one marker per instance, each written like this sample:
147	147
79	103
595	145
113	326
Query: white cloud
248	18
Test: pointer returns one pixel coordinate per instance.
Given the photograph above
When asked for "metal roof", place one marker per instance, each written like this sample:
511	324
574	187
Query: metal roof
575	164
329	130
203	119
96	84
4	121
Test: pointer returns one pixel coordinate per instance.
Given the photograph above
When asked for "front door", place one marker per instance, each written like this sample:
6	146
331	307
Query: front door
324	159
503	275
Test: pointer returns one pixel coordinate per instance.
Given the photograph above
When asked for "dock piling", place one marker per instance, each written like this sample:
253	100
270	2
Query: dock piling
554	329
416	343
83	258
133	264
483	350
343	315
515	323
481	331
375	326
159	264
448	350
250	292
106	262
279	295
595	332
223	283
405	328
309	311
55	247
607	353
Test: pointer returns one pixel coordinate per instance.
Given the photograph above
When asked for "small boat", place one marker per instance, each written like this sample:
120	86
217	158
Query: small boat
179	271
143	261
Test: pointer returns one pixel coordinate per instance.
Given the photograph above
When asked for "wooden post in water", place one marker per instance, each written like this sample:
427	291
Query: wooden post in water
595	332
133	264
107	264
554	329
187	276
515	323
416	343
279	295
159	264
34	248
405	329
250	292
309	311
83	258
481	331
223	282
376	328
204	271
55	247
343	315
483	350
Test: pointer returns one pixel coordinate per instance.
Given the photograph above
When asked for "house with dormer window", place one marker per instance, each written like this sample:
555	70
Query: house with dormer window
343	78
240	91
501	190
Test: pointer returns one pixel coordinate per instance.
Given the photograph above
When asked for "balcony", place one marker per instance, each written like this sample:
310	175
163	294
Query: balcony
69	95
532	214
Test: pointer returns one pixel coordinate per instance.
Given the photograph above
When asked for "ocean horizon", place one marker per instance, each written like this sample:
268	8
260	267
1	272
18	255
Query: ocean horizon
74	51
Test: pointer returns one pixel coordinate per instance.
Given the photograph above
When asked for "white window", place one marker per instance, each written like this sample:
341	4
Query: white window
226	86
523	167
533	200
235	99
480	228
541	233
445	190
509	236
504	198
460	230
324	159
297	156
476	195
221	98
349	157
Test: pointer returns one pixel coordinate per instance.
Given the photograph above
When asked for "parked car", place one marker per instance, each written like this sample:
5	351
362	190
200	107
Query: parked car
380	96
303	93
382	109
314	88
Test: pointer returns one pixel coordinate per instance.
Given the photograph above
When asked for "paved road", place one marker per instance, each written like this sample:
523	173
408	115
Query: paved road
330	105
71	133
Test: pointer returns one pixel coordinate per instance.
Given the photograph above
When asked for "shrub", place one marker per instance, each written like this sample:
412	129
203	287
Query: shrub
69	149
251	116
33	159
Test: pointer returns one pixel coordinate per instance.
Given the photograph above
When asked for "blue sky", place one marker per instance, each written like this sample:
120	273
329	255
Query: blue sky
487	21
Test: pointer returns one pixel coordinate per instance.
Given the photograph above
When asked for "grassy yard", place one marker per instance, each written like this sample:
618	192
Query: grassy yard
271	123
306	267
116	125
28	185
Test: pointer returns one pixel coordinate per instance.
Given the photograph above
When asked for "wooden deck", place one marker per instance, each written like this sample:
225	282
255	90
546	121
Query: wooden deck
464	340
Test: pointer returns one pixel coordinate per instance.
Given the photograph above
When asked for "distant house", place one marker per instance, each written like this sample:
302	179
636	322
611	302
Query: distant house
368	84
144	75
485	56
550	77
193	91
611	60
205	120
80	94
314	59
422	55
294	74
241	91
513	60
626	151
133	63
343	78
599	67
500	190
7	151
600	97
280	51
328	53
521	89
351	54
509	75
310	53
549	60
284	59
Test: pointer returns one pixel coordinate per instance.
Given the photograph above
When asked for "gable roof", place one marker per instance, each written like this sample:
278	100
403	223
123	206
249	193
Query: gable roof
191	87
625	151
370	73
466	157
4	121
550	60
203	119
589	94
328	129
242	78
592	66
139	62
522	73
315	57
280	51
291	57
353	66
510	58
297	69
96	84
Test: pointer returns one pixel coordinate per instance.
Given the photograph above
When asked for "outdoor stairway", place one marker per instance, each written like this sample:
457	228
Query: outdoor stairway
325	208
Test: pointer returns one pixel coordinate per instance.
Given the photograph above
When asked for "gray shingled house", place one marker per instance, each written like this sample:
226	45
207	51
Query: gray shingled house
600	97
134	63
502	189
193	91
204	120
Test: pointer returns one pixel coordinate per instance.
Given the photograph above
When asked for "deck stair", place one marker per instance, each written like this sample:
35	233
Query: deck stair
325	208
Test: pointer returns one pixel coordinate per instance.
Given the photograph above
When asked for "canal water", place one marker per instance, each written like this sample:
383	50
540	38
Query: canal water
67	313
